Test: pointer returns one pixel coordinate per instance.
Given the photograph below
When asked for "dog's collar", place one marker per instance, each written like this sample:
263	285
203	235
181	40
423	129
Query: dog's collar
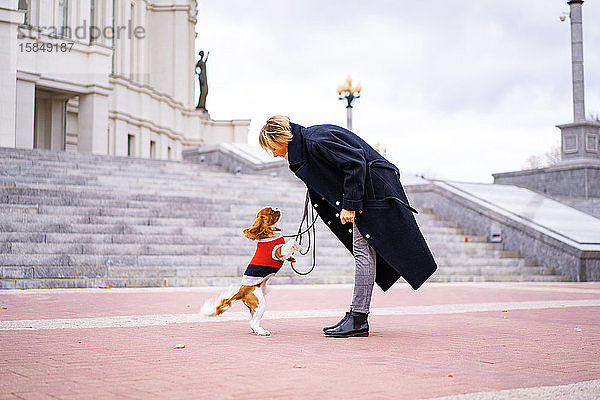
273	237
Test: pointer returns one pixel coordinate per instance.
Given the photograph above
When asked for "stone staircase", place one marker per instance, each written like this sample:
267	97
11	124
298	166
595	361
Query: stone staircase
80	220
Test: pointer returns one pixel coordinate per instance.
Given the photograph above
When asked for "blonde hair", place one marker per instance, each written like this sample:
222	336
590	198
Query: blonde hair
276	130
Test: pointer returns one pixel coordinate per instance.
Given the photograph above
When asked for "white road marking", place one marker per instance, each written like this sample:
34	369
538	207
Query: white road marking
166	319
588	390
583	288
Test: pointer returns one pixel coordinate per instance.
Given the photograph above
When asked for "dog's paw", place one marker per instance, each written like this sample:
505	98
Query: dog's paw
208	309
297	247
260	331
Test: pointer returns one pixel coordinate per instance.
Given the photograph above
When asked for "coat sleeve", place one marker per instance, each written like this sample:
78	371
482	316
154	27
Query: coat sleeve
346	158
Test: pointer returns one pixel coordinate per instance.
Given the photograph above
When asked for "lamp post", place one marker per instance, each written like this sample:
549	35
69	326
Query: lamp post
349	93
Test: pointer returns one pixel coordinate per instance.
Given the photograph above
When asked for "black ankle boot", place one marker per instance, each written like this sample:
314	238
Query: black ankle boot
355	325
327	328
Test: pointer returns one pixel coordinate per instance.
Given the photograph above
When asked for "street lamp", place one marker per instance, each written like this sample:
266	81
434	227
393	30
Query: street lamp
349	93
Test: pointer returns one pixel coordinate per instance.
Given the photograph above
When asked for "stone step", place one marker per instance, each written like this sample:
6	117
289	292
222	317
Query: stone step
8	180
61	272
43	154
154	205
148	217
494	270
78	259
93	165
19	167
18	209
86	283
440	251
47	180
163	282
150	195
136	229
224	224
140	216
176	203
140	201
75	177
324	239
215	211
153	183
126	249
499	278
214	271
484	261
108	165
330	248
171	230
242	248
136	271
107	238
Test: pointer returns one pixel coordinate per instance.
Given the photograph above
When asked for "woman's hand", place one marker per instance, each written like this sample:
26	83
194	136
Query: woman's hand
347	216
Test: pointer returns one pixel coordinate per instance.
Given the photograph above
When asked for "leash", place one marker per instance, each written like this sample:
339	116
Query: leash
312	236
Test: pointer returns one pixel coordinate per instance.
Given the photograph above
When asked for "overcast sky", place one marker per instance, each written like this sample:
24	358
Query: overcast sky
453	89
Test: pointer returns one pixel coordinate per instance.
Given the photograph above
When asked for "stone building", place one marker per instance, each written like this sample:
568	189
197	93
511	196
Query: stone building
105	77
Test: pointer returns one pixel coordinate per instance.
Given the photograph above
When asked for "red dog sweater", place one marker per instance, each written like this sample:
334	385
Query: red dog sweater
264	263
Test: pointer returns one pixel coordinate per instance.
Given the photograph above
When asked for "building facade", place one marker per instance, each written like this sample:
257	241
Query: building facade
104	76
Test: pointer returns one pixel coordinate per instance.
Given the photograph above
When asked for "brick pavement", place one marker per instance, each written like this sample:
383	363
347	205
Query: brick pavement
422	345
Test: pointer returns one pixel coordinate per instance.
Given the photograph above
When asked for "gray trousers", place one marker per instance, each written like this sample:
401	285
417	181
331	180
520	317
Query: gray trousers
364	273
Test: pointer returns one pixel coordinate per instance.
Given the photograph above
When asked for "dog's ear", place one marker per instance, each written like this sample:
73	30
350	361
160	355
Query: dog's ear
251	232
259	229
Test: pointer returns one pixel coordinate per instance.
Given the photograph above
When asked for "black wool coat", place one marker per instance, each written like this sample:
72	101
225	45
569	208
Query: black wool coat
342	171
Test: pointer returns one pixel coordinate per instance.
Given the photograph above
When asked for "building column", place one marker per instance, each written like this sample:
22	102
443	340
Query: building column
144	143
93	123
58	111
240	131
10	18
25	114
177	151
141	46
123	43
577	59
121	138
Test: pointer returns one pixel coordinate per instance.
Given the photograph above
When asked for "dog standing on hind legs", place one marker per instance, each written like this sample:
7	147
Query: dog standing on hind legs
271	252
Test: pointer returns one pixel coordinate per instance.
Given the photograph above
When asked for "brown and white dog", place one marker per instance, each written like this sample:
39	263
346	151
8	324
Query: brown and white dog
271	252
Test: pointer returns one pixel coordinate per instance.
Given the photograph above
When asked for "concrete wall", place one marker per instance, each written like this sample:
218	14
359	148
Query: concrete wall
235	162
574	180
516	236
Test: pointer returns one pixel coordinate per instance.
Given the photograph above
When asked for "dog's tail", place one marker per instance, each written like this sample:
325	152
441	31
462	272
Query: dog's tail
214	307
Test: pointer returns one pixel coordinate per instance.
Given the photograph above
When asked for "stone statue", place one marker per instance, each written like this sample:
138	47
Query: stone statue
201	71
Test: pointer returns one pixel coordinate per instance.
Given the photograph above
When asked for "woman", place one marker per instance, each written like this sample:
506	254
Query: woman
349	182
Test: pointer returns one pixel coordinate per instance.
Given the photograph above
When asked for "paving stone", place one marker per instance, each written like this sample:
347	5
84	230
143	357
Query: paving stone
442	340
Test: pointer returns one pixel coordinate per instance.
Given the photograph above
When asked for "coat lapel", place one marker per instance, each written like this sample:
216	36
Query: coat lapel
296	151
